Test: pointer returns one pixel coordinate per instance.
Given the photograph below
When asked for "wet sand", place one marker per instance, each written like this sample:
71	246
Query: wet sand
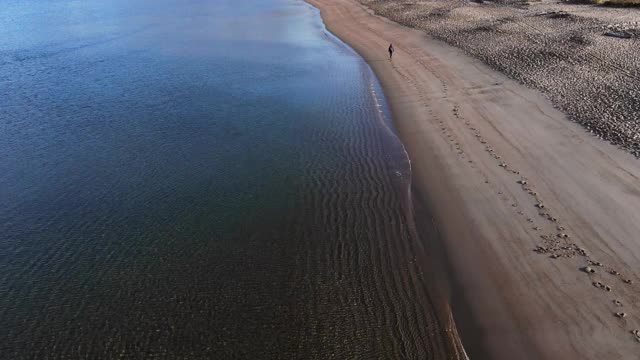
539	220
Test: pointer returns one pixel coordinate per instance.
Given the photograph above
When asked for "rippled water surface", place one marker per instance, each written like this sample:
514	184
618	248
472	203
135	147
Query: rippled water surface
200	179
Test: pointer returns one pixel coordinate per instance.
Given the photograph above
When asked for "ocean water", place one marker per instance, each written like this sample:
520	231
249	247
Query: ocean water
201	179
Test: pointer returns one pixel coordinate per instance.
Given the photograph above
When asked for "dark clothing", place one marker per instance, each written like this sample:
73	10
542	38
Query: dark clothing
390	51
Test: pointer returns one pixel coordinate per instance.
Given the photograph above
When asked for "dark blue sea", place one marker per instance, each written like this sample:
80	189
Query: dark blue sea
201	179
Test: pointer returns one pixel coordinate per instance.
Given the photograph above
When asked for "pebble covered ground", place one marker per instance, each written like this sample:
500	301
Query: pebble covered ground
584	58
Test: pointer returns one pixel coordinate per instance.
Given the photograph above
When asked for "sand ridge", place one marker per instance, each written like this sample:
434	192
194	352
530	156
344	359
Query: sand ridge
540	220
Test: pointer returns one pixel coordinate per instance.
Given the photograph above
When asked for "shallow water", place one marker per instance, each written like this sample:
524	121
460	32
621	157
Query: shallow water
200	179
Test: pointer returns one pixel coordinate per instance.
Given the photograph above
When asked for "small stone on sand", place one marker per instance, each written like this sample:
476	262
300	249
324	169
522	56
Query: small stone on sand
588	269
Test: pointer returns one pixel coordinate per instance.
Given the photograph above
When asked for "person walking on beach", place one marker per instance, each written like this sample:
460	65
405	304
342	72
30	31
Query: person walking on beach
391	51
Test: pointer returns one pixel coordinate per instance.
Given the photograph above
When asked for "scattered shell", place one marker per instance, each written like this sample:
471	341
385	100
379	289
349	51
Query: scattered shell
621	315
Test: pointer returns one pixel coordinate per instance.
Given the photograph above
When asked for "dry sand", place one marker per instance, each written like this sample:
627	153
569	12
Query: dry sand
558	48
524	199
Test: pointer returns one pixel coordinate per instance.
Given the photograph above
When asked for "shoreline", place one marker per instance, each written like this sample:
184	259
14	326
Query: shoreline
504	173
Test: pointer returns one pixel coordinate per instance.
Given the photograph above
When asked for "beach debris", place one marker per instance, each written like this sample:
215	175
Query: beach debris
620	35
553	14
596	263
621	315
540	205
613	272
588	269
503	165
559	15
628	281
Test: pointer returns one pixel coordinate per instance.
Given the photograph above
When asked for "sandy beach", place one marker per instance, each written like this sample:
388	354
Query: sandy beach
539	219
